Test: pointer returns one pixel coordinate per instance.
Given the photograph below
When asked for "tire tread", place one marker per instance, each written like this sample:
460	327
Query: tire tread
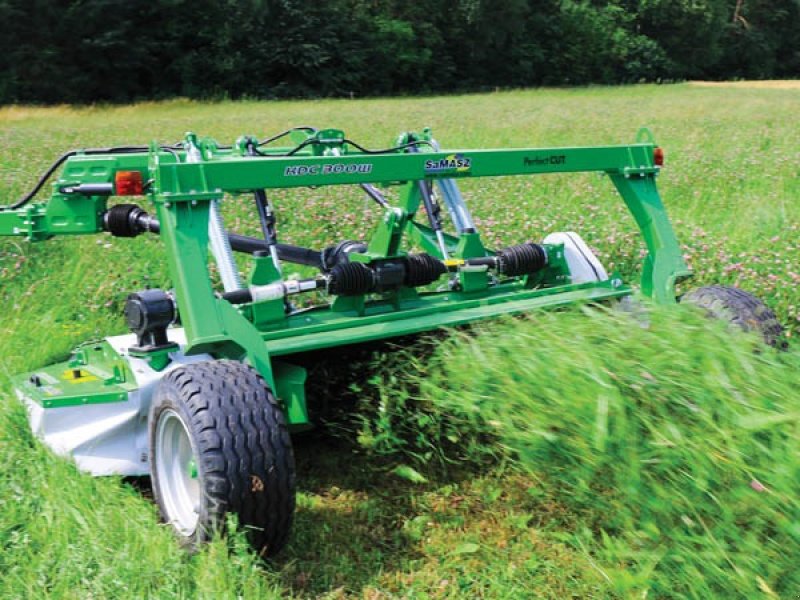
739	308
241	439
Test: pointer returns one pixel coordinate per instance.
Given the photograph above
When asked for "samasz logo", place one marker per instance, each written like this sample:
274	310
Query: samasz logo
454	164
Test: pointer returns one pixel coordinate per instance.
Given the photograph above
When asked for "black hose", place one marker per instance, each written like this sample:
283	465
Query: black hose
40	184
90	151
413	144
300	146
282	134
133	149
312	141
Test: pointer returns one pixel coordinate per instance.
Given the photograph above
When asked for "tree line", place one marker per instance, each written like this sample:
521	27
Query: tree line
54	51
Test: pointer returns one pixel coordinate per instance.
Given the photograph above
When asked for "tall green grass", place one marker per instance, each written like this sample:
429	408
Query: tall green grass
676	443
67	535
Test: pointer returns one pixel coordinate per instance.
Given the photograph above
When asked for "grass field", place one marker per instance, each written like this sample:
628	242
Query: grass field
566	455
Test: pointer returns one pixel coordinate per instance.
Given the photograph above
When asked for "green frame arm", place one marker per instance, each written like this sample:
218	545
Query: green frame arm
181	193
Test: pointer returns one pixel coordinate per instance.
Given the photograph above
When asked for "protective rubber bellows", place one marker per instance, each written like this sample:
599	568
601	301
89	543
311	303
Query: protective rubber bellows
351	279
121	220
521	260
422	269
355	279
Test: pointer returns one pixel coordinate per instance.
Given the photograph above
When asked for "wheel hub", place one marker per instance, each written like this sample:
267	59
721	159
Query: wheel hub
176	470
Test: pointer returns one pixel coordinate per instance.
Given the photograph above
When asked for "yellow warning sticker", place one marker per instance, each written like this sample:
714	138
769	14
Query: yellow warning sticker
453	262
78	376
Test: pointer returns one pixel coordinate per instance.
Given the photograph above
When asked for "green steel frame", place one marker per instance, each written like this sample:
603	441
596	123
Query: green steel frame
182	192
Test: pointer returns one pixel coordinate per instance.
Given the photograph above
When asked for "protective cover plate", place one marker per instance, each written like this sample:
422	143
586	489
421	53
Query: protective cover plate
108	438
583	265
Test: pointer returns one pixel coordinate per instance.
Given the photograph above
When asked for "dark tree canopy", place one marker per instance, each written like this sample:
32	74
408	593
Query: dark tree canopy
54	51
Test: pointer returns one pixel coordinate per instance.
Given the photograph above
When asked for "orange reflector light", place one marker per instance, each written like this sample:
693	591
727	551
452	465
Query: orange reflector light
128	183
658	157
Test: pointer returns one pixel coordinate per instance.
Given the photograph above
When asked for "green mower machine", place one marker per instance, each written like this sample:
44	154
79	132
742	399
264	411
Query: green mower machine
203	393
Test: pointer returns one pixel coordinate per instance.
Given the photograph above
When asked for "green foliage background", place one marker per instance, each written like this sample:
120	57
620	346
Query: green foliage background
114	50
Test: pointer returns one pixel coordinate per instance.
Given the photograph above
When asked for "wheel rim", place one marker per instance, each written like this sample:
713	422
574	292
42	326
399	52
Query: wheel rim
176	471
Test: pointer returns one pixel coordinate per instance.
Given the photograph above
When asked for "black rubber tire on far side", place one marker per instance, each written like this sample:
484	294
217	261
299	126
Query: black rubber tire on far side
241	453
741	309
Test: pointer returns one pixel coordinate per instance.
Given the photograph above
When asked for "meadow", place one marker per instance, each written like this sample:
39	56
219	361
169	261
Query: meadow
574	454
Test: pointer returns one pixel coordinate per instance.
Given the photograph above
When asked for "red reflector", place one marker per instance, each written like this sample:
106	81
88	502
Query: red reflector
128	183
658	157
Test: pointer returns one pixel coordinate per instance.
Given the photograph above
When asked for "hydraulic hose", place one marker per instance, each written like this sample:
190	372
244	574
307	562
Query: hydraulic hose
40	184
62	159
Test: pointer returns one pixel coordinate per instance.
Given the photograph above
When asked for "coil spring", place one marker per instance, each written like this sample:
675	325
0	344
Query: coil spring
521	260
422	269
351	279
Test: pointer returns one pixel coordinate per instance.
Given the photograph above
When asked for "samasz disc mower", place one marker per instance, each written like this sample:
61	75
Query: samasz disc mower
203	393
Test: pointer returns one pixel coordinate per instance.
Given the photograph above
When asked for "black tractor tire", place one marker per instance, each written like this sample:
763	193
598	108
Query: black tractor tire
739	308
222	414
